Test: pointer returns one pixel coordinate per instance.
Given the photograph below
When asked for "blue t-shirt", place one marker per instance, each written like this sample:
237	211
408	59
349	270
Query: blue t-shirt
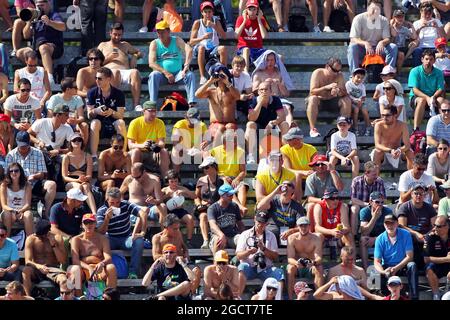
115	100
119	225
45	33
365	214
8	253
392	255
68	223
427	83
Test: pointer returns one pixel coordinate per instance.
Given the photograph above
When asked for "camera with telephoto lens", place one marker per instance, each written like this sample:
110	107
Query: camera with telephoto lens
202	208
30	14
304	261
259	258
152	146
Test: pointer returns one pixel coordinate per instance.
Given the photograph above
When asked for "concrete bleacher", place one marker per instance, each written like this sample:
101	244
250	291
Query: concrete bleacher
302	53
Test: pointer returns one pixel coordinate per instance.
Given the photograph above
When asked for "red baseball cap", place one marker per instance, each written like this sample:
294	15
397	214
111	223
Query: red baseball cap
439	42
206	4
5	118
318	158
252	3
89	217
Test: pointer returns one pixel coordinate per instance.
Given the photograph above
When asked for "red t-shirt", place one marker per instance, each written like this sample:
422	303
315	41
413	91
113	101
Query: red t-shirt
251	35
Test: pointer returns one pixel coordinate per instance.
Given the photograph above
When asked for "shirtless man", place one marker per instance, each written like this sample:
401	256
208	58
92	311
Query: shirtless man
327	90
124	68
220	273
170	234
145	190
86	75
114	165
272	75
222	101
91	256
349	268
389	135
44	252
302	246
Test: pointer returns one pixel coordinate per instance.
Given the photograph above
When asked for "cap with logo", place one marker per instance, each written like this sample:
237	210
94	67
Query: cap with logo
207	162
262	216
330	192
169	247
301	286
398	12
252	3
390	217
342	119
440	42
318	158
221	256
89	217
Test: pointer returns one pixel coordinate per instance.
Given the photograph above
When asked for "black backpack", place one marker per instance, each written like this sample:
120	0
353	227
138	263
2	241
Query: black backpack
327	139
339	21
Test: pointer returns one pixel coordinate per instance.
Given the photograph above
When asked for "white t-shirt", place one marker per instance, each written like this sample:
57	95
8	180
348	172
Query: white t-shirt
407	181
442	64
243	82
355	91
428	34
44	129
343	145
73	104
379	89
21	110
271	244
399	101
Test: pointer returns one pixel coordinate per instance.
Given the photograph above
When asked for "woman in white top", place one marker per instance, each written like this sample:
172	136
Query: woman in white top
270	290
439	164
15	196
428	29
393	92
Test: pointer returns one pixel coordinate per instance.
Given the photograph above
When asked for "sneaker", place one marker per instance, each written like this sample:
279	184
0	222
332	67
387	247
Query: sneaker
205	244
314	133
203	80
132	275
251	159
12	54
367	132
230	29
143	29
316	29
327	29
357	133
138	108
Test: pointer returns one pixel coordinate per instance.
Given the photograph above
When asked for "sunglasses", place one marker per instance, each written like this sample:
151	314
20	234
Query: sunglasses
99	78
94	58
334	198
77	140
25	90
53	136
169	252
221	263
321	164
272	289
14	171
445	110
441	148
334	70
386	115
118	147
66	293
388	88
440	225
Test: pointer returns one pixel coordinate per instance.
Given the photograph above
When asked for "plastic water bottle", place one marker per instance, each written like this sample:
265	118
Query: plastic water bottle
209	43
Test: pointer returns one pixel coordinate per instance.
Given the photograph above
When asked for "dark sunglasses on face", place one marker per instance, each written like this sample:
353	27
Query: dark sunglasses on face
169	252
221	263
14	171
440	225
388	88
321	164
94	58
77	140
118	147
99	78
272	289
25	90
66	293
334	198
445	110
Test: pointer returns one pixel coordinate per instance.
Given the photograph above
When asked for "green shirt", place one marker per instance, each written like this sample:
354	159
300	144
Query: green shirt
444	207
169	58
427	83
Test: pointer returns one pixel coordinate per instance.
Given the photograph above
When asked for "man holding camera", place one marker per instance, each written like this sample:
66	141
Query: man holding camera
146	141
106	105
222	98
304	253
48	27
256	250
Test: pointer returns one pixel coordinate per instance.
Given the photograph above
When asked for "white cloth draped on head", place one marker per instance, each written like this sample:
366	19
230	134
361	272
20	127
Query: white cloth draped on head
398	87
348	286
270	282
260	64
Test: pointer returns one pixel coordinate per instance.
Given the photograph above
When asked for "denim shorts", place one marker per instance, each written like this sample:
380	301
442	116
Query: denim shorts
251	272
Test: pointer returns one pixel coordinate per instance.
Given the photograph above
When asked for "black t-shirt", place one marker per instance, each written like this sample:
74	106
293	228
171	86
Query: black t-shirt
45	33
267	114
419	219
68	223
225	218
115	100
434	246
285	215
168	278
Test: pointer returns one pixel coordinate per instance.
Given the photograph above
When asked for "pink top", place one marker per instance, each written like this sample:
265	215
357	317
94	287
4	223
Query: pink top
23	4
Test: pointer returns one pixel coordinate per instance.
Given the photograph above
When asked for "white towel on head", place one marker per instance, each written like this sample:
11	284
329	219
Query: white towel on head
348	286
260	64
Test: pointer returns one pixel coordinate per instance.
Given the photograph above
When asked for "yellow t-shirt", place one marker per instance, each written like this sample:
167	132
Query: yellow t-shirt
270	182
299	157
228	163
139	131
191	136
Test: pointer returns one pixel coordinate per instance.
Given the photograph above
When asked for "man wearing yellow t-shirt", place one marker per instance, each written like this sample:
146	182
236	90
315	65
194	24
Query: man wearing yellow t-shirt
146	140
231	161
270	178
296	154
189	139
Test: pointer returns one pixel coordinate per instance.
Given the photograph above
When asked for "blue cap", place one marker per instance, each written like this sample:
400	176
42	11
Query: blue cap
226	189
23	139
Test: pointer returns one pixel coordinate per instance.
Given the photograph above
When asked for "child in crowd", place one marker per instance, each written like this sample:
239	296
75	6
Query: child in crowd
343	146
357	93
387	73
243	83
402	31
442	59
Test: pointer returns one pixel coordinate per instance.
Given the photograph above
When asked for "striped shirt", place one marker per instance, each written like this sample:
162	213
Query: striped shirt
119	225
33	163
437	129
361	190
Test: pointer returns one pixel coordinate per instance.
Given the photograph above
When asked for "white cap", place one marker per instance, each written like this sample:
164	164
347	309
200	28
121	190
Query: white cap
175	202
76	194
207	161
